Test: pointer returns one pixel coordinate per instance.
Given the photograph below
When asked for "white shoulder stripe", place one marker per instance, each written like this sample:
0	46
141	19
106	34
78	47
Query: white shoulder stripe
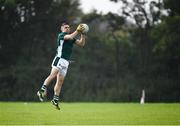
59	49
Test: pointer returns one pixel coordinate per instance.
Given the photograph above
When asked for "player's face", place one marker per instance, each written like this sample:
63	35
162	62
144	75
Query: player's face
65	28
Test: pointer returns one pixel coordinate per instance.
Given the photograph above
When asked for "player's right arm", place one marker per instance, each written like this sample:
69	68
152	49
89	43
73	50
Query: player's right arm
79	29
71	36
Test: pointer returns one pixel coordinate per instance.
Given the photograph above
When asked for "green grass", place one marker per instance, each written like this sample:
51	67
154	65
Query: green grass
19	113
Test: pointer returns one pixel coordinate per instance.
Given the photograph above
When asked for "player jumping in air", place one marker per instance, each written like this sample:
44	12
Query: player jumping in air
60	63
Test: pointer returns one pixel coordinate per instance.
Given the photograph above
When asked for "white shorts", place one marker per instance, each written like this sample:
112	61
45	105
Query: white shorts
60	64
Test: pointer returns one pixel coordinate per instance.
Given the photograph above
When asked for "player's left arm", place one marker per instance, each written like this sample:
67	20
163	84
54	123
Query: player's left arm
81	41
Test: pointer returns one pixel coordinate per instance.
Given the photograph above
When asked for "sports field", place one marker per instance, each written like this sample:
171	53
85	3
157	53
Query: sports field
20	113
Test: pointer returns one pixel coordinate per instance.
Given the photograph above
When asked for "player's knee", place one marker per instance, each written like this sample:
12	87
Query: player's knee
52	76
61	78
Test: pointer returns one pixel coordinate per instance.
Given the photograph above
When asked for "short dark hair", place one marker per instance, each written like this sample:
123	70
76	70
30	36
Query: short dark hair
64	23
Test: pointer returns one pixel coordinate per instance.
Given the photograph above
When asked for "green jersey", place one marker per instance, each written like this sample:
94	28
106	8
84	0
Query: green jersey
64	49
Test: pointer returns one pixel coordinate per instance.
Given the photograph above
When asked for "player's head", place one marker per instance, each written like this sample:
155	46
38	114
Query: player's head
65	27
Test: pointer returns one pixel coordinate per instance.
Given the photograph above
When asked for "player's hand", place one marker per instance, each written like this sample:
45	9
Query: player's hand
80	28
84	34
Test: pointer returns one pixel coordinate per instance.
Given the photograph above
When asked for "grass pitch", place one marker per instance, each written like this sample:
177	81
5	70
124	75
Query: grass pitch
19	113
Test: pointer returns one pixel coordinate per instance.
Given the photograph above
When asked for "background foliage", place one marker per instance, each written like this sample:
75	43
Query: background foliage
125	53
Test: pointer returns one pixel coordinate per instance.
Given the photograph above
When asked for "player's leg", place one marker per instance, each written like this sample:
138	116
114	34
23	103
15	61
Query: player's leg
43	91
59	83
52	76
57	90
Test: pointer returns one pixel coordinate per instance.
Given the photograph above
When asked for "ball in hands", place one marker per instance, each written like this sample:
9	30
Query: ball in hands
86	28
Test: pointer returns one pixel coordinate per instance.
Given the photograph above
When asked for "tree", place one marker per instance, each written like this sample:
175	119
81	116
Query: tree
27	40
145	15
